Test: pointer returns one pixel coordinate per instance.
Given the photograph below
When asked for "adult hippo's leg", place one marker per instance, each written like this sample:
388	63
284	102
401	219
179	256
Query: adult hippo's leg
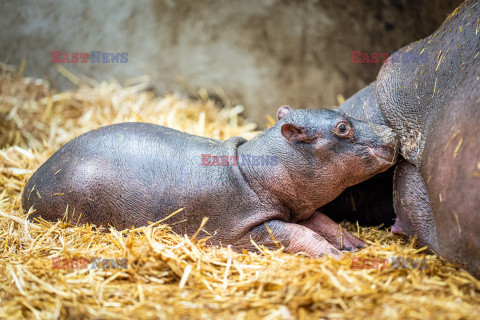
412	206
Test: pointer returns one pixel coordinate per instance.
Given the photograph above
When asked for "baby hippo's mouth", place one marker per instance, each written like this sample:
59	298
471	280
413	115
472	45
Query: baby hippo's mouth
386	155
384	146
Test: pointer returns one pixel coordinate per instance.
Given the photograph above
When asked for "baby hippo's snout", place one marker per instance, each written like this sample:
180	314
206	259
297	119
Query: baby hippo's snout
384	144
381	143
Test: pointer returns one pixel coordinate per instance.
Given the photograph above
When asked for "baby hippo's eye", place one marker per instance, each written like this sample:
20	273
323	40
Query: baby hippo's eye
343	129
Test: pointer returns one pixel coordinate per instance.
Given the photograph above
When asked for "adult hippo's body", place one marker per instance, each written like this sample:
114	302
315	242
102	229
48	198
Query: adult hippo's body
433	104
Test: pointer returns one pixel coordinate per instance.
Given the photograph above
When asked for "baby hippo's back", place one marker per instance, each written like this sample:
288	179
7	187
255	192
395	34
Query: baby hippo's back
124	175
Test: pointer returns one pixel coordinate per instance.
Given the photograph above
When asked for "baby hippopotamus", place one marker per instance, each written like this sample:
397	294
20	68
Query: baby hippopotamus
266	189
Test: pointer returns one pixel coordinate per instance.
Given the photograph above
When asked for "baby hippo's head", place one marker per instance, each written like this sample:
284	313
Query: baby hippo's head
341	150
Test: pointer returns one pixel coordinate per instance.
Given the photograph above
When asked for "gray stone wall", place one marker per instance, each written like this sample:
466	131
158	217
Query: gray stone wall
262	53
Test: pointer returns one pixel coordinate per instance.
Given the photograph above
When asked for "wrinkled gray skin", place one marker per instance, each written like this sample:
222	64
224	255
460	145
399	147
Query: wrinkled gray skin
434	107
131	173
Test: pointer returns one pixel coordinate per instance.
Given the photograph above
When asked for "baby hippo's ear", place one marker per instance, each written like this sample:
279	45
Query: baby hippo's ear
296	133
283	111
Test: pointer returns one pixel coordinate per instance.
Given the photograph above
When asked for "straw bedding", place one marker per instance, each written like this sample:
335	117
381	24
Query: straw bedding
171	276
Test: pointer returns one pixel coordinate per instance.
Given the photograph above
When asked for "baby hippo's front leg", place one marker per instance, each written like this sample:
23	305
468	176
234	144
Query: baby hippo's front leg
332	232
294	237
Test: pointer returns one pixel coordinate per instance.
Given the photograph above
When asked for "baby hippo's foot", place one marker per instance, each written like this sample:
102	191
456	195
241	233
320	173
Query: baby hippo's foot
332	232
294	238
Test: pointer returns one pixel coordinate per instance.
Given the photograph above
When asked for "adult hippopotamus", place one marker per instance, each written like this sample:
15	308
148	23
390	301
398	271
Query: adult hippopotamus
266	189
433	104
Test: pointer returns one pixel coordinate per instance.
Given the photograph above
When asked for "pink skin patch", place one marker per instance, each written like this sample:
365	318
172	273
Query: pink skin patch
397	228
332	232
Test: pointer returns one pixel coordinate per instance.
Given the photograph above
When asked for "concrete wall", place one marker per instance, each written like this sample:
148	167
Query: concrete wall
262	53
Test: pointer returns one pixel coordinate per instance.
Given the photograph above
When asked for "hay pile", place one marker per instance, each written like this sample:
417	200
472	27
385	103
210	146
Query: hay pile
171	276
